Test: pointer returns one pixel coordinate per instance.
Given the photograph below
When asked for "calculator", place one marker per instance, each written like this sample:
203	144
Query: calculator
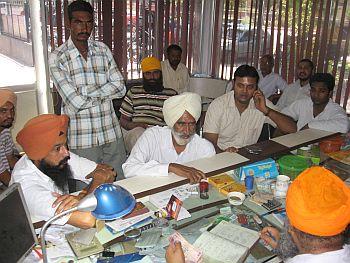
149	239
272	204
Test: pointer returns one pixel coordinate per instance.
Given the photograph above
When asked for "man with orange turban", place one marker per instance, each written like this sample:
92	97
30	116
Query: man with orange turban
142	105
44	170
8	150
318	211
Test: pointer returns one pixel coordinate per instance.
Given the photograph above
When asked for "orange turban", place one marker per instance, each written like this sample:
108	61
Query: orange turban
40	134
318	203
150	63
7	95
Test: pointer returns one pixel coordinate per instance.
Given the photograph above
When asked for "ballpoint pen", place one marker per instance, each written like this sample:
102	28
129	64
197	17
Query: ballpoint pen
275	211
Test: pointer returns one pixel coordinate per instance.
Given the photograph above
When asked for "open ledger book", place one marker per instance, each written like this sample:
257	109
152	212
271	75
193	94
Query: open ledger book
226	242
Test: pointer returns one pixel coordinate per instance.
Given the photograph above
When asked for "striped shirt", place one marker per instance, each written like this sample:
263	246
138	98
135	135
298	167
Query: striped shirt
144	107
87	88
7	147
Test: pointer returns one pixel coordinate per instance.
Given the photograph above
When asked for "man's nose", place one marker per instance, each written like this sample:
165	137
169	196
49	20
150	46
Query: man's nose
65	150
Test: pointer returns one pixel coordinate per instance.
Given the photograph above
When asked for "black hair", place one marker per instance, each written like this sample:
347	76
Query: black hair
308	61
325	78
173	47
79	5
246	71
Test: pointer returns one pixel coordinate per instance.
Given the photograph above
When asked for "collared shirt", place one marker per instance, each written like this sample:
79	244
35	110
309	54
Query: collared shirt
38	188
87	88
178	79
145	107
235	129
7	147
333	118
337	256
293	93
154	151
271	83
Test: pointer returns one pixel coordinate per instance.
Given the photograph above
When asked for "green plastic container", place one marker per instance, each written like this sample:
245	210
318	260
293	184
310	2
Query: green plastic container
292	165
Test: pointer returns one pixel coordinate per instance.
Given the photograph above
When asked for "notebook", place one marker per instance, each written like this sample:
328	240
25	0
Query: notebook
228	243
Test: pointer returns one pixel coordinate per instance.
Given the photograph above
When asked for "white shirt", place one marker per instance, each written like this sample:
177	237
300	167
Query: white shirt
333	118
271	83
178	79
337	256
154	151
235	129
292	93
38	188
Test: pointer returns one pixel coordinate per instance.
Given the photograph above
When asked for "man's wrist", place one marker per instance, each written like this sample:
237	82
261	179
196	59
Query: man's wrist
267	112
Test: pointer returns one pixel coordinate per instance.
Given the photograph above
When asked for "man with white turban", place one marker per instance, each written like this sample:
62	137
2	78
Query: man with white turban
161	150
8	151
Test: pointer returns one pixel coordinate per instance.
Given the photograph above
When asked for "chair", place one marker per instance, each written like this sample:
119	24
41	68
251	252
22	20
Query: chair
208	87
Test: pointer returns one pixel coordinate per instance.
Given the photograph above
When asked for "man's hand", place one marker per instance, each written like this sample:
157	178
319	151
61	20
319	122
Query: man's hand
65	202
189	172
231	149
260	102
270	235
103	174
174	253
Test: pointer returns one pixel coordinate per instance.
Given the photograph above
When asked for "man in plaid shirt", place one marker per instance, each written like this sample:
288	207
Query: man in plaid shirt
87	79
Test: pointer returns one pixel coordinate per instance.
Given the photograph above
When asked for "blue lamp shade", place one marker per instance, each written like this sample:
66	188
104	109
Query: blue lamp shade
113	202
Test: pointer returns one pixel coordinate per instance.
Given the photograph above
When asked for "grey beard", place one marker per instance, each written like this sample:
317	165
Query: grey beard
286	247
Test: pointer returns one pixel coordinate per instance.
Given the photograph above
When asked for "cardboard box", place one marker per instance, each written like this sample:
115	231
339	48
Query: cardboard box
266	168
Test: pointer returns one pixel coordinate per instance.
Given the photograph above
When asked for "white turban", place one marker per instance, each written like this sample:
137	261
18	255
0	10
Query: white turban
175	106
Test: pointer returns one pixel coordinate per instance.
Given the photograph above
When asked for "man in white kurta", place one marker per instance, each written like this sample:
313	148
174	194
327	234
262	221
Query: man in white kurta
300	88
270	82
44	170
161	150
319	111
175	73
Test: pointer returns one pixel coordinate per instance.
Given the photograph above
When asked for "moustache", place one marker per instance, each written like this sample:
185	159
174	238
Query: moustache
83	33
64	161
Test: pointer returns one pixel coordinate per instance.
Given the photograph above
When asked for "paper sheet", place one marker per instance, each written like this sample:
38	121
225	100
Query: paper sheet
300	137
235	233
217	162
217	249
120	224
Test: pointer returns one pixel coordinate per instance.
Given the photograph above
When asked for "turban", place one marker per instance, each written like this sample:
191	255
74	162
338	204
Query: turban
175	106
7	95
41	133
150	63
318	203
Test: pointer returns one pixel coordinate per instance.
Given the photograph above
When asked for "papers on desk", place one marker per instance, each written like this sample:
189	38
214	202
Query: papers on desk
123	224
226	242
300	137
160	200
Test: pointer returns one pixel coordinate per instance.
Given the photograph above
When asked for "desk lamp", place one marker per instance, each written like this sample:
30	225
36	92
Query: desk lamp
107	202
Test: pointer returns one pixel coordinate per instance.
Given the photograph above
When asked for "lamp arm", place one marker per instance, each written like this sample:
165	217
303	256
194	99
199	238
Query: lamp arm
46	225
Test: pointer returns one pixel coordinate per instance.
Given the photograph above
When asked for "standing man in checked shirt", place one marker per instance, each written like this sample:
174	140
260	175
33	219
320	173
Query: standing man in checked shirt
87	78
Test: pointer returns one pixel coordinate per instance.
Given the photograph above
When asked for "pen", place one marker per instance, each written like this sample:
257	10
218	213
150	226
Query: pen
278	210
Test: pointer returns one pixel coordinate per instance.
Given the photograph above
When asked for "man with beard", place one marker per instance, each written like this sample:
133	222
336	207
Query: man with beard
319	111
142	105
236	119
300	88
163	150
8	150
87	78
175	73
318	211
44	170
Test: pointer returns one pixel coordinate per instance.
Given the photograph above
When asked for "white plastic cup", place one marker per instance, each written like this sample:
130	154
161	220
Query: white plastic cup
282	185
